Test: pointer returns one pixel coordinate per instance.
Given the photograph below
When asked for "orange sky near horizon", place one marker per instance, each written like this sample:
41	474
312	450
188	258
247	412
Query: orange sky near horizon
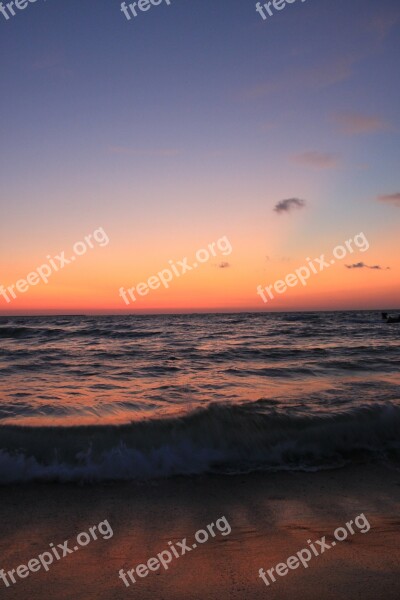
227	281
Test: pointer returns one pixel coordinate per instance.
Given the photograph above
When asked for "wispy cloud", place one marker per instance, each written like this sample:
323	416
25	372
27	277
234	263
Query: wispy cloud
316	77
46	62
354	123
390	199
52	65
317	160
382	23
268	126
277	258
125	150
285	206
361	265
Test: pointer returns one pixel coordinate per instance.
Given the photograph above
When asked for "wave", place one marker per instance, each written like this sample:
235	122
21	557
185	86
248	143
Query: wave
22	332
217	439
15	332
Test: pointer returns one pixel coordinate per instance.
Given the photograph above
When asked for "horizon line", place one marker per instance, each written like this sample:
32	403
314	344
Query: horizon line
188	312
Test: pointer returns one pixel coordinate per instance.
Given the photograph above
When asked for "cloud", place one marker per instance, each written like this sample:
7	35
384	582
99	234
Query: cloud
317	160
390	199
277	258
285	206
382	24
361	265
224	265
46	62
268	126
354	123
53	65
125	150
316	77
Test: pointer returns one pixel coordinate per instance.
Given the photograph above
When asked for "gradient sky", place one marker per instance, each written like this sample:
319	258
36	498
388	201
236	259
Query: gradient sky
189	123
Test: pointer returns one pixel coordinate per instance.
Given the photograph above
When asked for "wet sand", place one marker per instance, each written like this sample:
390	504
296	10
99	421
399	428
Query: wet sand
271	515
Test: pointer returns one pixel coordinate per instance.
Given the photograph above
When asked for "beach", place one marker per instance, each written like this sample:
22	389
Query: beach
199	300
272	515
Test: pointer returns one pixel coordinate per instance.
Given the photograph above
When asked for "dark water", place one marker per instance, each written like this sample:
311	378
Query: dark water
92	398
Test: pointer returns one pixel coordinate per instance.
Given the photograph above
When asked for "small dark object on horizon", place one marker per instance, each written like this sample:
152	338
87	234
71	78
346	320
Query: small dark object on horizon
388	319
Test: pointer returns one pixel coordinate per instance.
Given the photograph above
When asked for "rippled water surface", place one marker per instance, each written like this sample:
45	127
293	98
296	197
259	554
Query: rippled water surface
188	393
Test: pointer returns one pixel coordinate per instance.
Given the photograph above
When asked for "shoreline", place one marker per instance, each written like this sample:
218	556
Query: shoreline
272	515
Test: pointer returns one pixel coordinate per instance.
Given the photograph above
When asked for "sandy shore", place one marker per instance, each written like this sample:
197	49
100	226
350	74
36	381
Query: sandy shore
271	515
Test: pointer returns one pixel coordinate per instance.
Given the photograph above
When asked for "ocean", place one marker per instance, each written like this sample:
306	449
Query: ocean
89	399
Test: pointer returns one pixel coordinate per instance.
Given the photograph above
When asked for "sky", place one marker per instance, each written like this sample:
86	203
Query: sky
191	123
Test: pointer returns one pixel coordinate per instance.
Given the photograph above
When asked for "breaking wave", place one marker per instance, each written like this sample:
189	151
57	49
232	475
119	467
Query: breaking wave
217	439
